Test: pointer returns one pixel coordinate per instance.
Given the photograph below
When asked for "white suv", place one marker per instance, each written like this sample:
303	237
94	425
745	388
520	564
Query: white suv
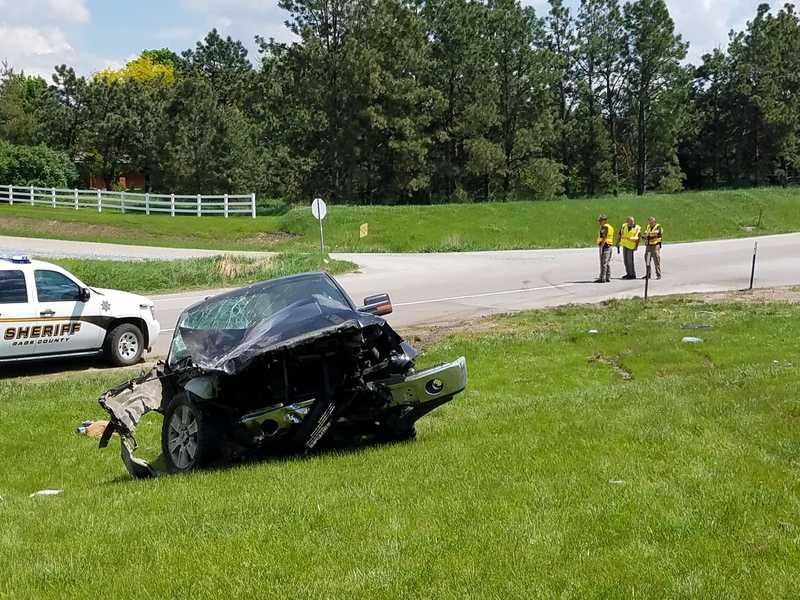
47	312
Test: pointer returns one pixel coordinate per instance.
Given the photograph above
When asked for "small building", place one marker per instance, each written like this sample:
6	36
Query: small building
129	180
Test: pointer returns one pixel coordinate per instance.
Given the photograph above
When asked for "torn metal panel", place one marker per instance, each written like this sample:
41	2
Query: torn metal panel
128	403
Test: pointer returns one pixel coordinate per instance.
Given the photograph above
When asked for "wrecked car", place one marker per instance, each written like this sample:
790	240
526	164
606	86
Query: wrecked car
285	365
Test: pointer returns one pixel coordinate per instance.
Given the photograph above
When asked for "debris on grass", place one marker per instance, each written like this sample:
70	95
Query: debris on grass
615	364
593	331
692	340
92	429
46	492
697	326
616	482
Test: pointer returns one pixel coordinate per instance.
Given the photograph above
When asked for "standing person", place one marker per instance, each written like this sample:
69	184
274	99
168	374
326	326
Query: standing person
605	241
652	252
628	237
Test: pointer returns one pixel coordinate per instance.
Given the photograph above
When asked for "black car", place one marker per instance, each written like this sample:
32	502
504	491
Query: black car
285	365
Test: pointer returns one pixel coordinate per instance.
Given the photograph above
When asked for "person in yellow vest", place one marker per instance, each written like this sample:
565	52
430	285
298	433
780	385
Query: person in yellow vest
628	238
605	241
653	234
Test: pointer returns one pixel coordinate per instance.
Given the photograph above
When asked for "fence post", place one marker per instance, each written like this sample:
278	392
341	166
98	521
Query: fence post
147	203
225	204
172	204
122	201
99	201
253	203
31	193
11	194
53	196
199	210
75	190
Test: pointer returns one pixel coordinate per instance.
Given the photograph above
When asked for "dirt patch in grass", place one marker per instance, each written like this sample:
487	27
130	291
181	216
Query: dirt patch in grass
423	337
789	295
615	364
273	237
67	228
232	267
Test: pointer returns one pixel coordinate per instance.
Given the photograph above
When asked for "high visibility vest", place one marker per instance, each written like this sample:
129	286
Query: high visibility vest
629	236
609	237
653	241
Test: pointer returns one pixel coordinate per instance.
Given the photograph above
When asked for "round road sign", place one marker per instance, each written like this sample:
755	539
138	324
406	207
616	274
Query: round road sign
319	209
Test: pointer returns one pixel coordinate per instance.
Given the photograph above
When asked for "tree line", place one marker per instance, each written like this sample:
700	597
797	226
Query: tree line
416	101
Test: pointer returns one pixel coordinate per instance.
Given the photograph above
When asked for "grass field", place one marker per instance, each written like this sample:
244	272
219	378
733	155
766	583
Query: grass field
152	276
619	464
496	226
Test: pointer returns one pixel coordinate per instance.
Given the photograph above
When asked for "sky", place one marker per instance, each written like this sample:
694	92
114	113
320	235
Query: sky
90	35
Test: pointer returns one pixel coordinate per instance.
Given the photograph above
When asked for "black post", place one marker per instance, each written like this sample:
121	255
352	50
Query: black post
753	269
646	282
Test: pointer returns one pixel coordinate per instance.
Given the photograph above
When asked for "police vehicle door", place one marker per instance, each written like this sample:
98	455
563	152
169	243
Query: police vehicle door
17	312
67	323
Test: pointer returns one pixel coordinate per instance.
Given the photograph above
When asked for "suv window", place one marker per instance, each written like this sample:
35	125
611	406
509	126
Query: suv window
52	286
12	288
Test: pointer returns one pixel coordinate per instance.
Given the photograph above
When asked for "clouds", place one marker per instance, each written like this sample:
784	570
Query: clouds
242	19
703	23
33	37
46	12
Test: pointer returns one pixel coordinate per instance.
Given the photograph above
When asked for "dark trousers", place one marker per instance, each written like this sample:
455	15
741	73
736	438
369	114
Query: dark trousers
630	268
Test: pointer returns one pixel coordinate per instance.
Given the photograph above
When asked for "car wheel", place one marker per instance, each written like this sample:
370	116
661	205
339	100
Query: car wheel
124	345
185	436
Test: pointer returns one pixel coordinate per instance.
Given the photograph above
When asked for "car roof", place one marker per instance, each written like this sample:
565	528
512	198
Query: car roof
270	283
9	262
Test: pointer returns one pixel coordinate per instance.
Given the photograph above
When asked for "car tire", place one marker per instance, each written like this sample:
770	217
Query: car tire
124	345
187	436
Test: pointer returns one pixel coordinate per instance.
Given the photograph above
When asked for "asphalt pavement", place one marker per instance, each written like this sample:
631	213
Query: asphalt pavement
447	287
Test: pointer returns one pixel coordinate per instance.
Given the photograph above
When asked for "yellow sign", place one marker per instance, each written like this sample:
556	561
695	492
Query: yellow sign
364	230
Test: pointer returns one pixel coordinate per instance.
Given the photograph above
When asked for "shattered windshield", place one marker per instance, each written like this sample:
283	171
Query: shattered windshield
224	321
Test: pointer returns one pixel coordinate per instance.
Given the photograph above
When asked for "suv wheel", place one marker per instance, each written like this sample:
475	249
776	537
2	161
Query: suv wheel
124	345
185	436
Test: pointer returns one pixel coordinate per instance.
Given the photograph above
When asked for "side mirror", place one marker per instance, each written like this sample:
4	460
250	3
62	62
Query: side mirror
85	294
378	305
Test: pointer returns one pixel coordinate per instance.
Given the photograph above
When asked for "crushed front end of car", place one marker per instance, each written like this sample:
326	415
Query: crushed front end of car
285	366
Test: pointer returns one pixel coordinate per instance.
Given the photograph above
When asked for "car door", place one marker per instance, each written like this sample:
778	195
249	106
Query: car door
67	323
17	312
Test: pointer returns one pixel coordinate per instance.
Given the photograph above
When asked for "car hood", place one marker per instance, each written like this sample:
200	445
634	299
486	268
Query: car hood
125	298
232	350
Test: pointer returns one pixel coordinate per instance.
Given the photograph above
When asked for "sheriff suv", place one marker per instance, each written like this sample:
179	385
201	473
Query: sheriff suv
47	312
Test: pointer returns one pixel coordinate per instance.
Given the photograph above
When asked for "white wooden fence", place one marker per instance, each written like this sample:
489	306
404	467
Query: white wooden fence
99	200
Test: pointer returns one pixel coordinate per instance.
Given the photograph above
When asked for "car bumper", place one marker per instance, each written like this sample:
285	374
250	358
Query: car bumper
153	331
439	383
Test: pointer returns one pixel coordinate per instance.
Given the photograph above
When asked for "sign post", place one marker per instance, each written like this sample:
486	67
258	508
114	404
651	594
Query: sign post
319	209
753	268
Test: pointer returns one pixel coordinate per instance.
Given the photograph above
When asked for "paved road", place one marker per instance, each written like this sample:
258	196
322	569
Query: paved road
454	286
10	246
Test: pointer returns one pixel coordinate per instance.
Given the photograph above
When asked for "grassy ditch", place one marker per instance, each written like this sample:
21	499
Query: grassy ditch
451	227
161	276
577	464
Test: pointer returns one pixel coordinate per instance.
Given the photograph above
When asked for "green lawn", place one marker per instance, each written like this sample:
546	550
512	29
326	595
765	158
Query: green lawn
152	276
552	476
496	226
